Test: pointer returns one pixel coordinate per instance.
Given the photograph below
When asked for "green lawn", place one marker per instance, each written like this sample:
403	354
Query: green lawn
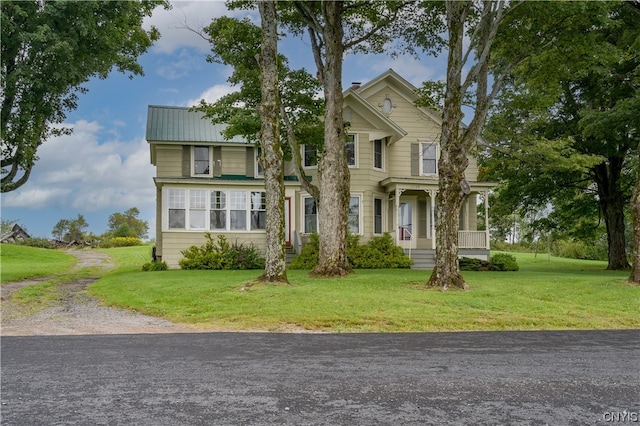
20	262
561	294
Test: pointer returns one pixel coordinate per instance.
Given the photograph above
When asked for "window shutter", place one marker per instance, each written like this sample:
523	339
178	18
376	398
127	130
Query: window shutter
251	159
415	159
186	160
217	161
422	218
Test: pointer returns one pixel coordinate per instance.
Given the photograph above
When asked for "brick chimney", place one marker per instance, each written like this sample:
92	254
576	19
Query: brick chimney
355	85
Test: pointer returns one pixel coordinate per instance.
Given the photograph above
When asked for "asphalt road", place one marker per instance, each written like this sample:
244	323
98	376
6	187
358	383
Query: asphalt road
497	378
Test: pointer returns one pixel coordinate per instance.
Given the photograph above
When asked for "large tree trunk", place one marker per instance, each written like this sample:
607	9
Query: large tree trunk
275	265
333	171
635	212
612	201
452	162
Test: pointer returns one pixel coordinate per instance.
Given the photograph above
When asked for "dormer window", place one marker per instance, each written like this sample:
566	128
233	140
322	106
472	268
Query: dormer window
201	161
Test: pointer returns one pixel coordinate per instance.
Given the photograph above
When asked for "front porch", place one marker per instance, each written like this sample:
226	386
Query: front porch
412	214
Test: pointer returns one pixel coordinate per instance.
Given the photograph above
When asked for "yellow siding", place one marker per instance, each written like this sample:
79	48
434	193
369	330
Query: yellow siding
234	160
174	242
168	160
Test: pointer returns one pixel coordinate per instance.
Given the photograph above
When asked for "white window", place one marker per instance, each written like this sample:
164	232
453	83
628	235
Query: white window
259	171
202	209
309	155
354	215
310	215
258	210
377	215
218	213
428	159
378	154
177	209
197	209
351	148
201	161
238	210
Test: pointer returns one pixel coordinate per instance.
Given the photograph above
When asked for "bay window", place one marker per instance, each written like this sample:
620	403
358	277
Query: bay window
215	210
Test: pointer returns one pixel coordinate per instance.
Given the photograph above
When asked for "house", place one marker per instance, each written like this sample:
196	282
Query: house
205	182
16	234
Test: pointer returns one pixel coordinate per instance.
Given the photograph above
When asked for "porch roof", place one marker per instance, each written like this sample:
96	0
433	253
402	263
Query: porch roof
425	183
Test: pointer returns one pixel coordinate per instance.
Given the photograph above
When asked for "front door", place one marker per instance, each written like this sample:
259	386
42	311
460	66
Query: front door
406	223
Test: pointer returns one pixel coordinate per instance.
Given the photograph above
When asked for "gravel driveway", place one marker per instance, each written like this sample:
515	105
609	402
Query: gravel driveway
75	311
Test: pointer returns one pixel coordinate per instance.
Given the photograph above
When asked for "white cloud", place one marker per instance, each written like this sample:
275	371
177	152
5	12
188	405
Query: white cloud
78	170
179	26
212	94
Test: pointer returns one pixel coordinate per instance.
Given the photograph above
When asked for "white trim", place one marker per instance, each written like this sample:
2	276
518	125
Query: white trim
359	196
192	161
355	151
380	197
421	144
186	203
383	147
256	163
304	157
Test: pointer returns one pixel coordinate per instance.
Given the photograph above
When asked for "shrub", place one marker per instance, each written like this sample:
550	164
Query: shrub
37	242
155	266
221	255
503	262
472	264
379	253
308	257
120	242
498	262
581	250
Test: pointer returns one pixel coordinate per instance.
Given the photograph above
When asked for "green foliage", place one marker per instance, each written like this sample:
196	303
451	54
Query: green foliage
221	255
127	224
37	242
308	257
498	262
378	253
70	230
155	266
576	249
51	48
121	242
503	262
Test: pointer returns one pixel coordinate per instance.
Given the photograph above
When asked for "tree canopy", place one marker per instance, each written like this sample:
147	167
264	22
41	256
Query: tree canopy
127	224
563	136
49	49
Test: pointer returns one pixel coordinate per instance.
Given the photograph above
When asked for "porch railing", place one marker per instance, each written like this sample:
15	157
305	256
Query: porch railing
472	239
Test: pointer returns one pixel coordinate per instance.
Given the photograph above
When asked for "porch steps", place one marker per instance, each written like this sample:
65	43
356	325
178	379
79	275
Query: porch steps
422	259
289	253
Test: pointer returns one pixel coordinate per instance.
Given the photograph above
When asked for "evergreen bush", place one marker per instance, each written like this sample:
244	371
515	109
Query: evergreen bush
503	262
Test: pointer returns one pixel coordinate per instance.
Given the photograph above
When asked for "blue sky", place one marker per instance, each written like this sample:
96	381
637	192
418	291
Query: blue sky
104	167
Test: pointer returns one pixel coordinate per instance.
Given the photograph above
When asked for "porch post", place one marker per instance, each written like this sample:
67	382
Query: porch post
395	215
485	194
432	195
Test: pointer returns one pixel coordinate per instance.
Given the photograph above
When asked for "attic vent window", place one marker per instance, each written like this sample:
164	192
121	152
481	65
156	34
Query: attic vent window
387	106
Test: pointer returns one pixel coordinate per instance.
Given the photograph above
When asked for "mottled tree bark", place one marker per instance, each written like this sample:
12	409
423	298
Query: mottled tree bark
272	157
333	171
452	162
635	212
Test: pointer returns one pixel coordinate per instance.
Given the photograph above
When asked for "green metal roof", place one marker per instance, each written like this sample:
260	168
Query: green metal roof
179	124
